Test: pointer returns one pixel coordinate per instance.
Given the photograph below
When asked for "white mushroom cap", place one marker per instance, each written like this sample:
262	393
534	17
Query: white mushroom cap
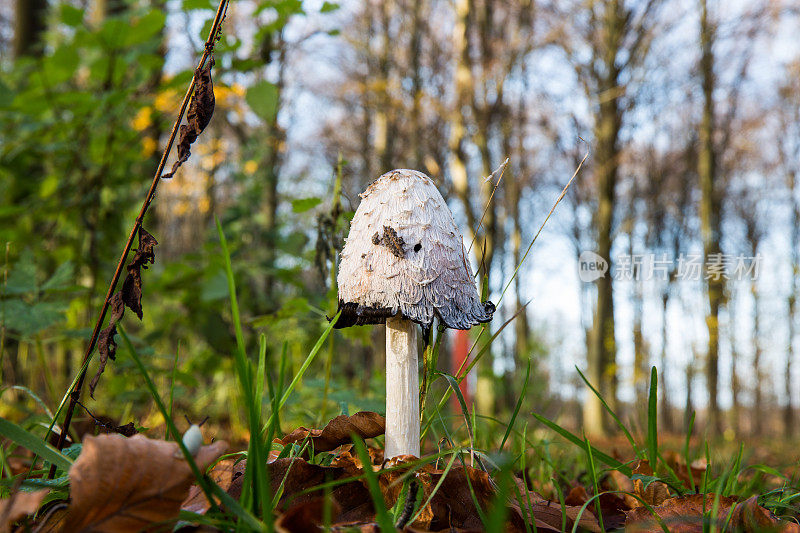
405	255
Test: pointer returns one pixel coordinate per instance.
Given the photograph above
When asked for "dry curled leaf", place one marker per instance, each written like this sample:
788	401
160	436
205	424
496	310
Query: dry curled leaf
18	506
365	424
653	492
106	346
126	484
130	296
201	109
132	287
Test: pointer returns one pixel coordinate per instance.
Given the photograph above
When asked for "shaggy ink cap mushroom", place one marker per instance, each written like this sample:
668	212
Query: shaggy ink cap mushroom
405	255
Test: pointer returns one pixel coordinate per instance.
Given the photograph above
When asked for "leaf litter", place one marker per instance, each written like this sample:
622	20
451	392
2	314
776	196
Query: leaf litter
127	484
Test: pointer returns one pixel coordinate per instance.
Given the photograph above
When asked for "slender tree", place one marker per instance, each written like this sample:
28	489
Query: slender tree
618	36
29	26
710	211
789	165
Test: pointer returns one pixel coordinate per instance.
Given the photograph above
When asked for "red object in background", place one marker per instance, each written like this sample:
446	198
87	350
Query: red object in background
458	357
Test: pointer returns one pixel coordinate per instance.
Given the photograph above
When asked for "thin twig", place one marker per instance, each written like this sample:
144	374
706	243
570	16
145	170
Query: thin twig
558	201
516	271
501	169
75	392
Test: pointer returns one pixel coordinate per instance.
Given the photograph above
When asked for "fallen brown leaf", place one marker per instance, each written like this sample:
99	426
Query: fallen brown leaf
123	484
694	472
306	517
223	474
685	515
18	506
297	475
365	424
612	506
655	493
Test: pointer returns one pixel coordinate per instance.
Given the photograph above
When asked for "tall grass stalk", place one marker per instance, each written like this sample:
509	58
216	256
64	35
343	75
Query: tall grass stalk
255	489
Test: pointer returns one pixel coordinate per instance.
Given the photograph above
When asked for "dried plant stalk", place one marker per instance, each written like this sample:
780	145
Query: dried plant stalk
201	96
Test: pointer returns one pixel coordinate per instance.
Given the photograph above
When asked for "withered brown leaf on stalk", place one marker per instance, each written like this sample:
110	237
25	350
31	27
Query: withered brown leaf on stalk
132	287
201	109
106	346
130	296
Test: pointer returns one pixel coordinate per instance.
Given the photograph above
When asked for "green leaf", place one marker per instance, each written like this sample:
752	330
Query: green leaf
302	205
33	443
146	27
327	7
197	4
60	66
61	278
71	15
29	319
263	100
22	276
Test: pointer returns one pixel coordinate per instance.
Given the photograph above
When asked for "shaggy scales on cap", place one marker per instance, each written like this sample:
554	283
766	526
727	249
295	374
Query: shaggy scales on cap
404	254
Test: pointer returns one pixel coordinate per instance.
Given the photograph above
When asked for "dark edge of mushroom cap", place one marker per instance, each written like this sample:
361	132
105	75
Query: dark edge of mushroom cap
354	314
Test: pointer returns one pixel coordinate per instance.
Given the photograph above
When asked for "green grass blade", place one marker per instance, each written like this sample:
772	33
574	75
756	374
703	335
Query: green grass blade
453	382
381	513
172	387
261	370
257	490
202	481
496	517
577	441
309	359
652	420
687	456
595	483
517	407
612	413
33	443
464	372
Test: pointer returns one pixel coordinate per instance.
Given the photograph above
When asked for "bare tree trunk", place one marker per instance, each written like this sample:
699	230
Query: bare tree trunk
463	85
602	356
640	374
385	127
758	404
29	26
788	410
416	83
270	166
736	407
710	214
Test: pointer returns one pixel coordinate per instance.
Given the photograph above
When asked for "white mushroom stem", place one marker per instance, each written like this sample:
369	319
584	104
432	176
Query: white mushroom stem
402	388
